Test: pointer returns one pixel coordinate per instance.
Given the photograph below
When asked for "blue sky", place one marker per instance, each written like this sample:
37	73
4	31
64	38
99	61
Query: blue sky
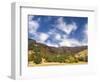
58	30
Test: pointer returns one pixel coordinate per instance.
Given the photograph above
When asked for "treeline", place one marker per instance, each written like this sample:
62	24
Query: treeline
38	53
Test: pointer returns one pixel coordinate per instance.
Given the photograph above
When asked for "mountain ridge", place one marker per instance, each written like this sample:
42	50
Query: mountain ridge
39	53
60	50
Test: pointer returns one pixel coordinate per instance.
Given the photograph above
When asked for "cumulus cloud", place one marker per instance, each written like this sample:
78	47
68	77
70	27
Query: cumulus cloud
54	37
85	35
63	26
70	42
32	29
42	37
65	42
86	30
60	38
57	36
51	44
33	25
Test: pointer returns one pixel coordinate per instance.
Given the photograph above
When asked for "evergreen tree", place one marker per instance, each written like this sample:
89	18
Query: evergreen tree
37	56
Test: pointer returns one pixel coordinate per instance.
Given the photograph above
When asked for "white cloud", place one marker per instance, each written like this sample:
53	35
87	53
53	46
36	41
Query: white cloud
65	43
57	36
85	35
73	42
42	37
33	26
30	17
51	44
52	31
86	30
70	42
67	28
62	39
63	26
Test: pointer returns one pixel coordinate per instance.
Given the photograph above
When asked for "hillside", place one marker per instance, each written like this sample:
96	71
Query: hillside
56	50
44	53
82	55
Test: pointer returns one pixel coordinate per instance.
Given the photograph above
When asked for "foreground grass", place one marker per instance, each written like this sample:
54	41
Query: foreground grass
31	64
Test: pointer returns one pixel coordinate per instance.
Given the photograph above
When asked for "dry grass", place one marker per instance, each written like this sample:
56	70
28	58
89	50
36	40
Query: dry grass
31	64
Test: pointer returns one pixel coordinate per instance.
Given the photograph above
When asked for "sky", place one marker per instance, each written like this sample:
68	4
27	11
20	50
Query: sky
58	31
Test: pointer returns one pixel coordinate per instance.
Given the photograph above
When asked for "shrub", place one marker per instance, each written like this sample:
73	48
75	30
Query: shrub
61	58
50	58
37	59
55	58
37	55
30	57
71	59
84	59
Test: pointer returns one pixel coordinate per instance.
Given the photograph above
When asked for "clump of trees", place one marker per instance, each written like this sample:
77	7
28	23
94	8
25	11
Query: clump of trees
61	58
71	59
30	56
83	58
37	55
65	58
55	58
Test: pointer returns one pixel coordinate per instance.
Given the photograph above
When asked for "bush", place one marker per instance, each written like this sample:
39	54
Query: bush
71	59
61	58
83	58
37	55
30	57
50	58
55	58
86	59
37	59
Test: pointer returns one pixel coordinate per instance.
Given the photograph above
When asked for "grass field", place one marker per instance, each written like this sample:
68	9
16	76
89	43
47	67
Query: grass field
31	64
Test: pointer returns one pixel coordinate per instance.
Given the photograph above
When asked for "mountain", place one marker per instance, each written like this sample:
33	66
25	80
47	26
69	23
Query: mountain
56	50
44	53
